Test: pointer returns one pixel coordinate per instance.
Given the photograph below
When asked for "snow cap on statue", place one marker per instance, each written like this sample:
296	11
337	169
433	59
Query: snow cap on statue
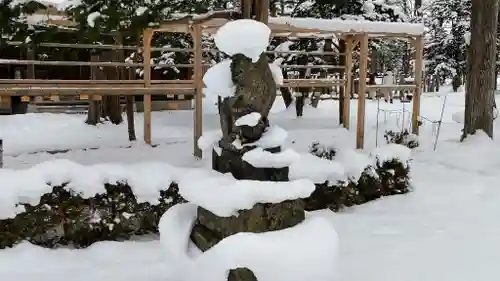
245	36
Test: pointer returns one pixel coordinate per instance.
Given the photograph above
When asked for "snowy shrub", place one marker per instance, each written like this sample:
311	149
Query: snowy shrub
322	151
383	178
63	217
404	138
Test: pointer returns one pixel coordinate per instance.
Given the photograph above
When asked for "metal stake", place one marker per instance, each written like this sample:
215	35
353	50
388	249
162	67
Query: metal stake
1	153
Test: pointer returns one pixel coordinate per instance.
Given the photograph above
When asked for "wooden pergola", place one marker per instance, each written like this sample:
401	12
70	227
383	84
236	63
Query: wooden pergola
353	32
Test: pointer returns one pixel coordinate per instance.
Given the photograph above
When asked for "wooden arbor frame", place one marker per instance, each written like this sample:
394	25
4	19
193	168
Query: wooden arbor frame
353	32
352	42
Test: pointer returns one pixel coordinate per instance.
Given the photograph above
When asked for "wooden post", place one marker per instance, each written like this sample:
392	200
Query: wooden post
264	11
348	81
419	60
363	67
198	83
146	37
30	55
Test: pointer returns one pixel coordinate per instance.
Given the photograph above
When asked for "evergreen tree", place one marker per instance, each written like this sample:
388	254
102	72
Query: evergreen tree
13	15
446	46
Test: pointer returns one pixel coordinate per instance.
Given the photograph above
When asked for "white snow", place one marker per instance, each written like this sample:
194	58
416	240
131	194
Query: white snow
317	169
250	119
224	196
273	255
261	158
141	10
444	230
210	139
92	17
393	151
218	81
274	136
26	186
276	70
146	180
340	25
467	37
247	37
175	227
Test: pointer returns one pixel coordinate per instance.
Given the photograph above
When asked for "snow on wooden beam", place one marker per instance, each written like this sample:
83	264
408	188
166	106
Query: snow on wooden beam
337	25
306	27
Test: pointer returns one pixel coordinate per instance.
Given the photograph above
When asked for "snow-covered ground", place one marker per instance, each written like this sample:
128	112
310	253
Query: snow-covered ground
446	229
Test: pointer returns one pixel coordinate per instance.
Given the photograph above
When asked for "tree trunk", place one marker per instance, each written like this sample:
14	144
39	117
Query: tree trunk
129	109
286	94
456	82
94	111
130	75
479	95
112	107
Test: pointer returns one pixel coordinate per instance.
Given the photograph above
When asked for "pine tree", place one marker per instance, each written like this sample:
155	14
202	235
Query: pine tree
13	24
446	47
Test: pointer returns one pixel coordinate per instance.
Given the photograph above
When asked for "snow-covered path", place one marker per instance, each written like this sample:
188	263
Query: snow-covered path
446	229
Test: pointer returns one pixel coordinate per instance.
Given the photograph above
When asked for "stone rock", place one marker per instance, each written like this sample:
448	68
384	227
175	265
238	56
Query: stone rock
210	229
241	274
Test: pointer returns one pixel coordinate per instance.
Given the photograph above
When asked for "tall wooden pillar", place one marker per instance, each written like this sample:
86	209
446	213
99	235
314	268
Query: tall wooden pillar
198	83
363	67
419	67
348	81
147	36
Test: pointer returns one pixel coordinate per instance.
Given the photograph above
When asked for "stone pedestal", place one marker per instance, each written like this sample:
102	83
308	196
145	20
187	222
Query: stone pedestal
210	229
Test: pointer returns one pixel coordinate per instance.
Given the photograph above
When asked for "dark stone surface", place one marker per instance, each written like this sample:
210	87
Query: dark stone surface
210	229
241	274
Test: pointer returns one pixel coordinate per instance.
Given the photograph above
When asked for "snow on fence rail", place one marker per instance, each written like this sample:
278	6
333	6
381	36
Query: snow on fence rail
165	49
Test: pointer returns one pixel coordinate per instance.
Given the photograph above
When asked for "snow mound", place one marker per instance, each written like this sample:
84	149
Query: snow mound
245	36
173	226
209	140
219	193
317	169
393	151
274	255
354	162
274	136
224	196
26	186
250	119
261	158
218	81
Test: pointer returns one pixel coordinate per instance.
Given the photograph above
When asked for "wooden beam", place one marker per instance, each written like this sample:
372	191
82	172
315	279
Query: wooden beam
87	63
147	36
114	83
125	91
166	85
318	83
348	85
198	78
363	68
419	68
